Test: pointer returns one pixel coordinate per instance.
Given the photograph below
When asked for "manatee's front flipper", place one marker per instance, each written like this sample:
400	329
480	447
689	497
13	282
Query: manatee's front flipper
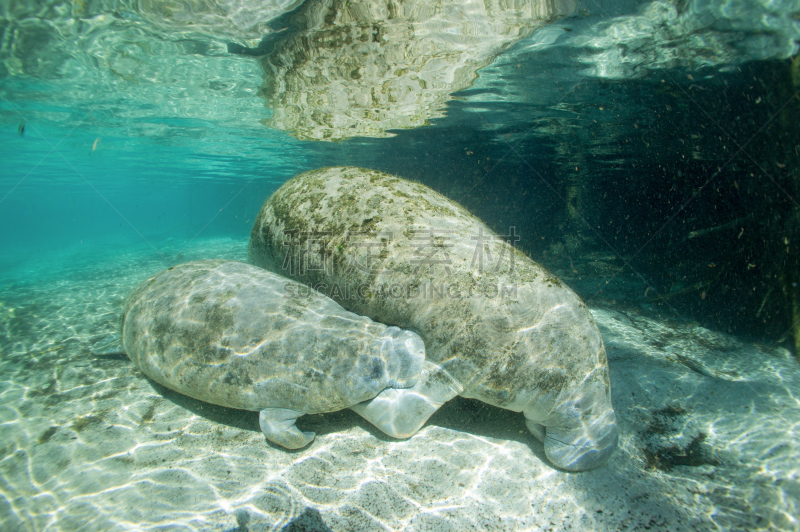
278	426
401	412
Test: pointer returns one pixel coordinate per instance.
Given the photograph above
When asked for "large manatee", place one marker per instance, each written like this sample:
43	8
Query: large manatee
500	327
235	335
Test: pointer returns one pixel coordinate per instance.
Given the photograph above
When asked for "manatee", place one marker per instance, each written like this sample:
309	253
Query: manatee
235	335
497	326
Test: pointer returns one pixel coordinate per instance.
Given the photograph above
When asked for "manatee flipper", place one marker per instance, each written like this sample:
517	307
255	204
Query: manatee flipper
401	412
279	428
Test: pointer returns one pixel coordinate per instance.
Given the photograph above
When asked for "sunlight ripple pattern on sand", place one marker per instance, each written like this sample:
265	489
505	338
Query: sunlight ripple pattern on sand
709	431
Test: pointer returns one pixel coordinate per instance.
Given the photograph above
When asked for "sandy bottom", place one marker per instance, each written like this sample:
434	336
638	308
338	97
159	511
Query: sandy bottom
709	435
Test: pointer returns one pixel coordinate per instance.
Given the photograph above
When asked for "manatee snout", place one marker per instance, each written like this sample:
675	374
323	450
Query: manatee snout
407	355
582	448
580	433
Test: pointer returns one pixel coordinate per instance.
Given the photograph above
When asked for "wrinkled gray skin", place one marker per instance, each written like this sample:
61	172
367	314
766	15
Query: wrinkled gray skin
497	326
235	335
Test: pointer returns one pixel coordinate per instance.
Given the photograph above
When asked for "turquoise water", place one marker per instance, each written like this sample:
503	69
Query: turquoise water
645	152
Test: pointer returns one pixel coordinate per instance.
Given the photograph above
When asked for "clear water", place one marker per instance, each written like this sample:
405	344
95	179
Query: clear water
646	153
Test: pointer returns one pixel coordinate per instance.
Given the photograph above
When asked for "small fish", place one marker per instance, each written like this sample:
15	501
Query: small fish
96	142
21	129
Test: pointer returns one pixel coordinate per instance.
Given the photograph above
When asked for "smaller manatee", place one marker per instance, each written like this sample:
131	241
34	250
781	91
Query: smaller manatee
238	336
